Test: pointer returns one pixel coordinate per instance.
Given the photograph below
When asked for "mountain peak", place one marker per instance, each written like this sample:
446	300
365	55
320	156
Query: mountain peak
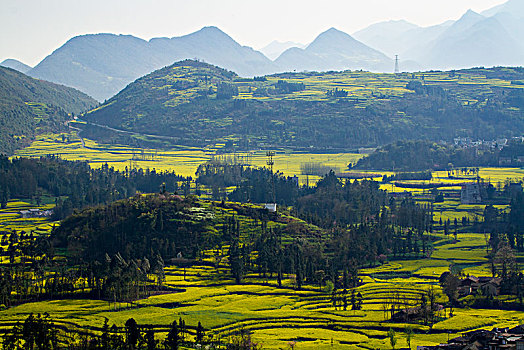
470	14
333	31
207	33
333	50
468	20
330	35
211	29
276	48
16	65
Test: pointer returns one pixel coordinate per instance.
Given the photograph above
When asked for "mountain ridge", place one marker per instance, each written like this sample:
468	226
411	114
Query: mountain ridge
16	65
276	48
106	63
103	64
333	50
196	104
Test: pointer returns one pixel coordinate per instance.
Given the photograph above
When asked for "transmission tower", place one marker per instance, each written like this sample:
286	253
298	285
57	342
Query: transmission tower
270	162
397	68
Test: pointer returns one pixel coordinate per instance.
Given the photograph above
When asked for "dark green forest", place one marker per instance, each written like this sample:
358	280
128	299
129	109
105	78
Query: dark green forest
75	185
120	248
426	155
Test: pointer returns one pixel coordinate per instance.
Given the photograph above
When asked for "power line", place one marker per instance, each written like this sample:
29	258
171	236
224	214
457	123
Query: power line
271	162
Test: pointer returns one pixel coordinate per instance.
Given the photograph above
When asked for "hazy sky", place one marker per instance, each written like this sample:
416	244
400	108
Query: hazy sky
32	29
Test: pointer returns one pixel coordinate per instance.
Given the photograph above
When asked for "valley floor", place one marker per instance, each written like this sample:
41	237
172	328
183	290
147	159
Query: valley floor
277	317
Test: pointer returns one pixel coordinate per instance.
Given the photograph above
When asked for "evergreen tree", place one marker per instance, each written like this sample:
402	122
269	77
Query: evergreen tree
199	333
172	341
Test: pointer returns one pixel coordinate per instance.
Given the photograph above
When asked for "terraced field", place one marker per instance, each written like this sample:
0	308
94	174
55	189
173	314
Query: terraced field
280	316
10	218
277	317
185	160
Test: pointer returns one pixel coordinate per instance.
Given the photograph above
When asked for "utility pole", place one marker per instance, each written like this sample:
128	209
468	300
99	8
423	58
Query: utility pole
397	67
270	162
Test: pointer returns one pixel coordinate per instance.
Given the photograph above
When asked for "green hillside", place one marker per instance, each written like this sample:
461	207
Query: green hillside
193	103
29	106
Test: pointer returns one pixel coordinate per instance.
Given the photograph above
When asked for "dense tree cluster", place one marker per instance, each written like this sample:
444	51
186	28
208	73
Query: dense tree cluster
418	175
124	244
362	226
505	238
226	91
337	93
424	155
74	184
251	184
506	227
286	87
136	227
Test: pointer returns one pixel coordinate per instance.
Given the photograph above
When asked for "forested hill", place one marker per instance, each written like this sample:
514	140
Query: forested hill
29	106
193	103
425	155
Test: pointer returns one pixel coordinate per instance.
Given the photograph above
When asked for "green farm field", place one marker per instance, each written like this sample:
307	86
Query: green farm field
276	316
184	160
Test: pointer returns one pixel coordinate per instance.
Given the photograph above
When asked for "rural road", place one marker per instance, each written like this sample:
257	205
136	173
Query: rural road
172	138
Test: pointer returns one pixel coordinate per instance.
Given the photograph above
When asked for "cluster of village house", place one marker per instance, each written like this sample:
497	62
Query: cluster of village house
466	142
35	213
487	286
496	339
470	285
487	144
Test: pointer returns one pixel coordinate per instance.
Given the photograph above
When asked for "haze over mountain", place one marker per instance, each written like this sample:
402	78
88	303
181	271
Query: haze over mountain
473	40
103	64
16	65
514	7
488	39
334	50
275	48
385	36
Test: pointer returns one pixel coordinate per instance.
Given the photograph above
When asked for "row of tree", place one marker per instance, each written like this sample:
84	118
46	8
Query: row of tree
42	333
76	185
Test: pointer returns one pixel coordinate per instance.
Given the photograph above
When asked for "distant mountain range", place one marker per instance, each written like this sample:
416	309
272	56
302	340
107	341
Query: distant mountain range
30	106
103	64
16	65
492	38
275	48
333	50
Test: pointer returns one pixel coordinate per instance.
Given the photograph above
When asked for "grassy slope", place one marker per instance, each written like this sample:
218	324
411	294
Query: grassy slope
28	106
378	109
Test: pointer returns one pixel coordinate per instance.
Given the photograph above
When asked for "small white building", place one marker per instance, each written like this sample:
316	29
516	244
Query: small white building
35	213
272	207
